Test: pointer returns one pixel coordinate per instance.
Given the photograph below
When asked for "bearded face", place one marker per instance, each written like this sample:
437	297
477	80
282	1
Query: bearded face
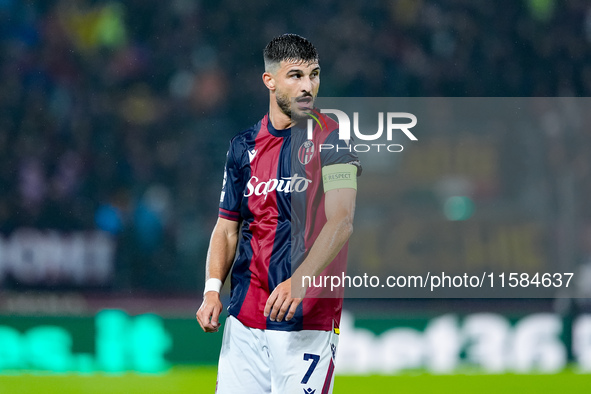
296	86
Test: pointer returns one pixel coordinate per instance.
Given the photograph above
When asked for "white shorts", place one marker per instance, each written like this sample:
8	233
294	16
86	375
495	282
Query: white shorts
254	361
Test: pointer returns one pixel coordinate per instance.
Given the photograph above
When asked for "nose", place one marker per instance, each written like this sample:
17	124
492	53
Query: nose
306	84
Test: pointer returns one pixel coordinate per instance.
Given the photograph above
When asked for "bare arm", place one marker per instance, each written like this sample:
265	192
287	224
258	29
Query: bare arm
222	247
340	209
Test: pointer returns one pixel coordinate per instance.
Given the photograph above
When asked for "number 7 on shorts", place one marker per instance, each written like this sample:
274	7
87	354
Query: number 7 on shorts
315	358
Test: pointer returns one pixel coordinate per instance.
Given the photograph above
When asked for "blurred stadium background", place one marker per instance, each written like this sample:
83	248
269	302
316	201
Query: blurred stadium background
114	122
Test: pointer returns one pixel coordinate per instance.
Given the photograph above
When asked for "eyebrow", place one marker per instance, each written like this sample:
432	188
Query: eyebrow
299	70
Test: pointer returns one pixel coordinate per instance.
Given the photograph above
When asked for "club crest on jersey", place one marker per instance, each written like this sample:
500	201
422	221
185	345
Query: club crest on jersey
306	152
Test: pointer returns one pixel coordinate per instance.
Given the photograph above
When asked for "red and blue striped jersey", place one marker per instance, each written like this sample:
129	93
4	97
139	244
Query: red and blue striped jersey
273	186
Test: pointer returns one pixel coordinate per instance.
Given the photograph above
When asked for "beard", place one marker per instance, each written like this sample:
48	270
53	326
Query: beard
285	105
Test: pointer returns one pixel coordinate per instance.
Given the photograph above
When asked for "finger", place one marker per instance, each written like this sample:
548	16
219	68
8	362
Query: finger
198	317
203	317
203	322
284	308
269	304
215	317
277	308
293	308
208	327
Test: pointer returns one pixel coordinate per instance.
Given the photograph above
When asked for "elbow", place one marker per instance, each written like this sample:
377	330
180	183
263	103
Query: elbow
341	225
348	228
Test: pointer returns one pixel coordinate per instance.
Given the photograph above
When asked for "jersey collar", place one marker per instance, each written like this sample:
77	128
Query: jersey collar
275	132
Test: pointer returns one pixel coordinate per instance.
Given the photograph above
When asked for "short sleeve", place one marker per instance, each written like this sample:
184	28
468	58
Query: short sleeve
233	185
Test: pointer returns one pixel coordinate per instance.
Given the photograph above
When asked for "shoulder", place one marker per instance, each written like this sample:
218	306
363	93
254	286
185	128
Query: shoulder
243	141
247	136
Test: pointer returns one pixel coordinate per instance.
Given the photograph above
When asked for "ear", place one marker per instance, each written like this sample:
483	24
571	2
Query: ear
269	81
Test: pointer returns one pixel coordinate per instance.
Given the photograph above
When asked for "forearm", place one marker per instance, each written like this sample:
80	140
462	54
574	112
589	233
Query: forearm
222	248
283	302
330	241
220	256
339	206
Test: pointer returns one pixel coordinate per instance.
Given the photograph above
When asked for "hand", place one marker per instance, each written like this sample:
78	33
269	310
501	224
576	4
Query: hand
280	302
208	314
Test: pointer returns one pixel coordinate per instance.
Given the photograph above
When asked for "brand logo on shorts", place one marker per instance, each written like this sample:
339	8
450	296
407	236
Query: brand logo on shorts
309	391
306	152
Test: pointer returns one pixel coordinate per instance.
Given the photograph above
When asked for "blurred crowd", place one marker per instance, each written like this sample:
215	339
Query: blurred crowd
117	114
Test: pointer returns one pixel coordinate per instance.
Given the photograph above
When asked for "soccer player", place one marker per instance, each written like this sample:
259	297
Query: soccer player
286	212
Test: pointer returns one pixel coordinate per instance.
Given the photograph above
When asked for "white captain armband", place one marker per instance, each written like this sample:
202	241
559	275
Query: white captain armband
339	176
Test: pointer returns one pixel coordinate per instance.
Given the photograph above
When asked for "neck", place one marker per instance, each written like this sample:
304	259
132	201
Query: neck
278	119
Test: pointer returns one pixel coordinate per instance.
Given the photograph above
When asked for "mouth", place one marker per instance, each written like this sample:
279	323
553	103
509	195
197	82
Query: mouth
305	102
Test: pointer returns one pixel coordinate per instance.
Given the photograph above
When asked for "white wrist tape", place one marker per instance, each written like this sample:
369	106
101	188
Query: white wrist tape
213	284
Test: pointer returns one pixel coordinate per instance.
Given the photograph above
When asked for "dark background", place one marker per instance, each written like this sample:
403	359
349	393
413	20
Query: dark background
116	116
